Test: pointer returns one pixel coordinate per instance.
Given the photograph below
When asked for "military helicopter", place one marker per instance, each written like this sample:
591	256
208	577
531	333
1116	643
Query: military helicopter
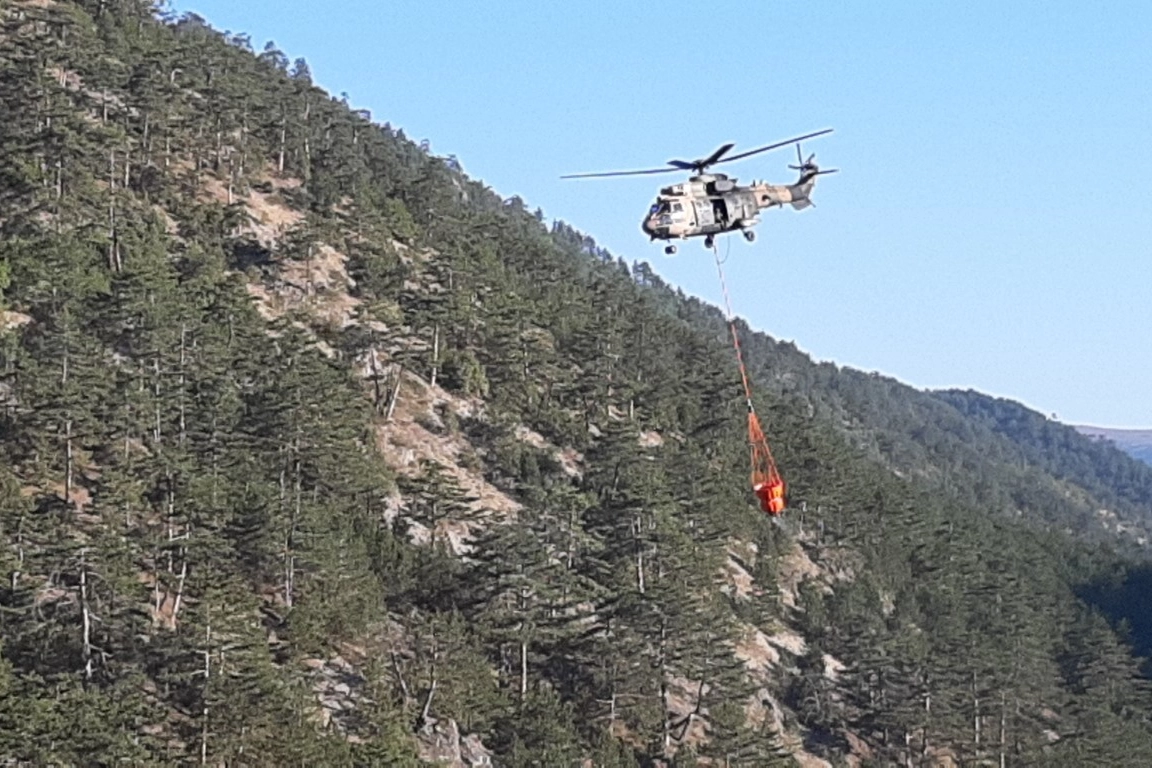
709	204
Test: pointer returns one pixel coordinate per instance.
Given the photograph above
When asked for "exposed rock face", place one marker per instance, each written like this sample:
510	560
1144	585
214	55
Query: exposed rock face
441	744
338	687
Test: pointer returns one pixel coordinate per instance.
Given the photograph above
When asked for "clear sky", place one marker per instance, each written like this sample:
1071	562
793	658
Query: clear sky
991	224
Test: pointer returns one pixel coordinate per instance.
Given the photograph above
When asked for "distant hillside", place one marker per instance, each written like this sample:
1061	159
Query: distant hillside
1096	477
1134	442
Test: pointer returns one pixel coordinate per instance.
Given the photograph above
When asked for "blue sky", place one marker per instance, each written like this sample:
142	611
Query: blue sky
991	224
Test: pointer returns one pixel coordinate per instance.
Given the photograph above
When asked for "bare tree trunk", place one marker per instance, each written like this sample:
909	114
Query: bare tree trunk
666	713
171	509
113	246
14	577
215	463
685	722
637	527
395	395
156	590
377	394
204	711
64	371
157	433
68	461
86	616
570	555
1003	729
243	148
927	721
307	143
975	718
287	587
183	380
231	180
424	710
400	678
180	584
293	521
283	145
310	284
435	354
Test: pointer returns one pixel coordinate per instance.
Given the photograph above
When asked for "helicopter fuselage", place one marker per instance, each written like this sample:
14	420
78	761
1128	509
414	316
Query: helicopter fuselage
710	204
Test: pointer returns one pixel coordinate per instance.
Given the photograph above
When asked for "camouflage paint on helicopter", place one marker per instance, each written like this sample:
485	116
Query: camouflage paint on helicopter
708	204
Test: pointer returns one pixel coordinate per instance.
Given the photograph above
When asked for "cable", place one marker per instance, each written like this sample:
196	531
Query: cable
766	480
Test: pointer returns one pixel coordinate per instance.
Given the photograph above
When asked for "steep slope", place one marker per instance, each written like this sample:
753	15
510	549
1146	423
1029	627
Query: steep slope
1119	486
972	448
316	451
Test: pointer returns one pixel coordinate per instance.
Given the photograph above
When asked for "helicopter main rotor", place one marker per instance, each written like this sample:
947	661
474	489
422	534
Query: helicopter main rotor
700	165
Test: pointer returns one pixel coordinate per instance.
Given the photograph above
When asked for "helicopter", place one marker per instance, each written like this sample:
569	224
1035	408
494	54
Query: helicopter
709	204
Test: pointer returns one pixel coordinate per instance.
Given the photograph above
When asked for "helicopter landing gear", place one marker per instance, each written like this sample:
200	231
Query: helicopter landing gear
669	249
749	235
708	241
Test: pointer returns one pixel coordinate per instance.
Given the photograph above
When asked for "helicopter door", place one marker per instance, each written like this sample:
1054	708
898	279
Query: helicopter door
704	215
721	213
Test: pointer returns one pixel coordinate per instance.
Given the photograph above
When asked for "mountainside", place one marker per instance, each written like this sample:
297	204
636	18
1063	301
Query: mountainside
1135	442
315	451
965	446
1104	475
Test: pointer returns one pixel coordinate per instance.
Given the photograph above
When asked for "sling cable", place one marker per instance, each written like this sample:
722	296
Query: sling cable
767	483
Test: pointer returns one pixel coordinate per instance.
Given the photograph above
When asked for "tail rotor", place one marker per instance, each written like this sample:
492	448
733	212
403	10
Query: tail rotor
808	168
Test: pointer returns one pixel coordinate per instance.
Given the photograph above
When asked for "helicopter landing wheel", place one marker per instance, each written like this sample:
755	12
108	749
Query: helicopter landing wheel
708	241
669	249
749	235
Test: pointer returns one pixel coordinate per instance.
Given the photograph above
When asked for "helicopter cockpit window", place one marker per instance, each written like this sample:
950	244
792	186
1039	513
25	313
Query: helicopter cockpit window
658	208
676	208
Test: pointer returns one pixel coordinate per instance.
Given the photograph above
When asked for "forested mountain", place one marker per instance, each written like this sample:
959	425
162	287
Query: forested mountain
1109	476
1135	442
315	451
976	449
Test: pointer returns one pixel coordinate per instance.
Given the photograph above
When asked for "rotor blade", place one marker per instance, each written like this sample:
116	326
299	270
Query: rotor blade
774	146
715	156
830	170
619	173
691	165
799	159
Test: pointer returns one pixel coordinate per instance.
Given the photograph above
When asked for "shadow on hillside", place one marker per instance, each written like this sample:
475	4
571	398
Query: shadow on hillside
246	254
1126	598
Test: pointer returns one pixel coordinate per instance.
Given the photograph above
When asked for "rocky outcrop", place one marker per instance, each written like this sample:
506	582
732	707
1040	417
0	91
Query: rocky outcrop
442	744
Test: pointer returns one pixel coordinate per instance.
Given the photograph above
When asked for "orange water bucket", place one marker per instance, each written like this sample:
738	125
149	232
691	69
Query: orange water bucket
771	496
